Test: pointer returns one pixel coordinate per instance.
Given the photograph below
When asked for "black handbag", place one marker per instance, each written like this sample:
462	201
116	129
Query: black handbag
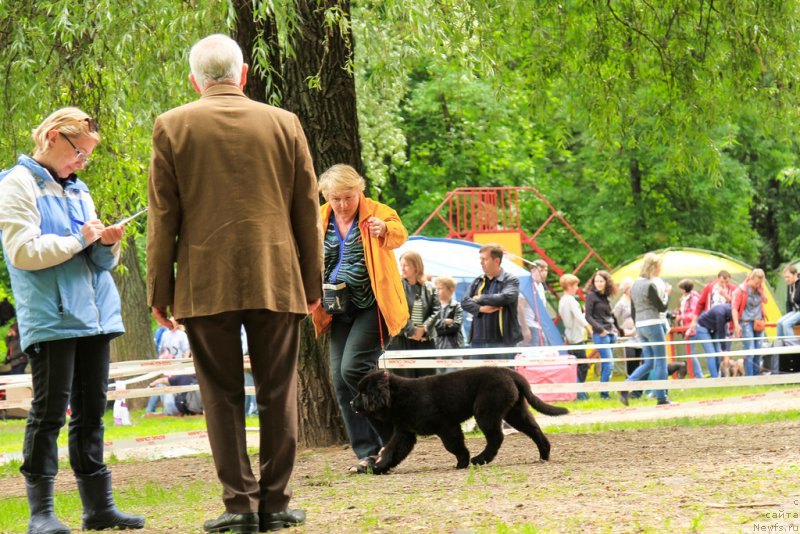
335	298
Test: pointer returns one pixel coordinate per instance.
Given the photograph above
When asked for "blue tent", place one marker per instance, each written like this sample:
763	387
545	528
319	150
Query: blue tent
459	259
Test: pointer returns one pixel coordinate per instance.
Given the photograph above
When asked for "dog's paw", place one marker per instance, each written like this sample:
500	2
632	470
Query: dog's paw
462	464
380	469
480	460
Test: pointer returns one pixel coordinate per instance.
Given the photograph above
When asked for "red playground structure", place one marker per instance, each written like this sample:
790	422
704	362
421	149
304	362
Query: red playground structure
492	214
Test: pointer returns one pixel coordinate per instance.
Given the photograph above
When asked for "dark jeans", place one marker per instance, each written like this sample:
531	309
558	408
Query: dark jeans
583	368
631	365
355	349
67	371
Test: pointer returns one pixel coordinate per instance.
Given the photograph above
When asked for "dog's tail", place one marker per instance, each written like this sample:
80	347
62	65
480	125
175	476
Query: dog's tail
538	404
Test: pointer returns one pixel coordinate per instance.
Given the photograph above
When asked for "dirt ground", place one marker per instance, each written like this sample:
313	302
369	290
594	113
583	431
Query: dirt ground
743	478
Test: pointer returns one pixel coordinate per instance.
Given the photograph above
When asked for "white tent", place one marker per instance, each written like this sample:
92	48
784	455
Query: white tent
459	259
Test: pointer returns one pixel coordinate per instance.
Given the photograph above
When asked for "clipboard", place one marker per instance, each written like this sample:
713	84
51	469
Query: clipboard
128	219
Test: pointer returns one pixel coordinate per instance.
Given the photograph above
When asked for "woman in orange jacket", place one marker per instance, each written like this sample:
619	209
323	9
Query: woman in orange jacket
364	302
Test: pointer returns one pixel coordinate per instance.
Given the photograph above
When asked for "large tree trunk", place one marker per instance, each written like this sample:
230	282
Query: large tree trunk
327	109
265	81
137	343
320	421
325	115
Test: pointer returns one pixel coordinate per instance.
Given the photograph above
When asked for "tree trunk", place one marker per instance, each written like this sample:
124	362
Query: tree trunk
137	343
635	175
327	110
325	115
320	422
265	82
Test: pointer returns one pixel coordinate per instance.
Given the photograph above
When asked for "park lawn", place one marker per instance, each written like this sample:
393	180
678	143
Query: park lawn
615	481
12	431
595	403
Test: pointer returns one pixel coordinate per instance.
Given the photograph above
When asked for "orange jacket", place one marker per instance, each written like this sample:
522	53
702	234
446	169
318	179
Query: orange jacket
381	265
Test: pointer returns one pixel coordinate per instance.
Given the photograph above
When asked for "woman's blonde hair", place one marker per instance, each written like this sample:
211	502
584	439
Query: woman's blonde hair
756	273
70	121
415	260
448	282
568	280
651	262
340	177
625	284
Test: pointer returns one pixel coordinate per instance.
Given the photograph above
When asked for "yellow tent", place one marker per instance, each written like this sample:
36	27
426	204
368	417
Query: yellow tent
700	266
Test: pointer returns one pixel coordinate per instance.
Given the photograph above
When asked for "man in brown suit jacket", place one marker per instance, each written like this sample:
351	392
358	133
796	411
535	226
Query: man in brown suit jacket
233	201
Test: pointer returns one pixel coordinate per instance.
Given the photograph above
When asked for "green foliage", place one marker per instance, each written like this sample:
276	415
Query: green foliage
123	63
634	118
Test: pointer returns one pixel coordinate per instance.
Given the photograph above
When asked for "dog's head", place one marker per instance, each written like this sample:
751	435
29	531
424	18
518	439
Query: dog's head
374	398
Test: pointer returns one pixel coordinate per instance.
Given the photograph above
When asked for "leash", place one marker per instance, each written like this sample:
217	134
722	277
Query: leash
365	224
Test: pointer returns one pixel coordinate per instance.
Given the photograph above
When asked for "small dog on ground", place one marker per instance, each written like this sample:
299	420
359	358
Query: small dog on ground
439	404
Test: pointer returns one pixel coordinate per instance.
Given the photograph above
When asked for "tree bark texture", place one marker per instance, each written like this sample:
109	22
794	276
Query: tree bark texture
247	32
137	343
325	115
320	423
327	111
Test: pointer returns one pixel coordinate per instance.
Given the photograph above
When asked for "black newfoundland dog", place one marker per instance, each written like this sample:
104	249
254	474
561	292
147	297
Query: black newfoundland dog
439	404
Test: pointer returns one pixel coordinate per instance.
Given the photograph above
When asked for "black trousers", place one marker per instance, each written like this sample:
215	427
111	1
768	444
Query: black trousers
67	371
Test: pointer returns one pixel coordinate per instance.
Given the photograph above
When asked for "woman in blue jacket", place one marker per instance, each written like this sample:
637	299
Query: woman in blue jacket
59	256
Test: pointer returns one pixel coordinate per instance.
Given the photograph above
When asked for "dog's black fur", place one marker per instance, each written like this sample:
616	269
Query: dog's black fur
439	404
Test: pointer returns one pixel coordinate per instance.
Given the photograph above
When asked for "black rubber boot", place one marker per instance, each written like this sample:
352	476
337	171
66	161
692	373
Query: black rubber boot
40	502
99	510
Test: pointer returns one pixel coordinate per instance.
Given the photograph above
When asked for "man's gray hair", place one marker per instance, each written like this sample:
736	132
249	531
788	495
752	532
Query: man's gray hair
216	59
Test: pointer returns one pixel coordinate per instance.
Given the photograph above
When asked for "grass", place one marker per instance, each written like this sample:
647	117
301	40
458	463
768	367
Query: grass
12	431
595	403
714	420
150	499
166	505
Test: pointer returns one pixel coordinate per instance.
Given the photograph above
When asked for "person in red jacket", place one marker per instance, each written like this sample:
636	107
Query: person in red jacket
719	291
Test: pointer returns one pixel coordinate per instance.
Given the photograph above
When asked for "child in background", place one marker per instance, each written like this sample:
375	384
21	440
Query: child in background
449	334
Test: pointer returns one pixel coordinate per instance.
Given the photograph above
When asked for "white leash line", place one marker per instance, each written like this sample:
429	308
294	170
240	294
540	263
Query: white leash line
424	358
124	394
534	351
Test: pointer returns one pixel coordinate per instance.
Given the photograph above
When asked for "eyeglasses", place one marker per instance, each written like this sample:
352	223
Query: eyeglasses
82	157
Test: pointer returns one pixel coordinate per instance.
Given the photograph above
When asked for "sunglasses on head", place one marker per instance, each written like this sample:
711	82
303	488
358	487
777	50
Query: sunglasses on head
91	124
